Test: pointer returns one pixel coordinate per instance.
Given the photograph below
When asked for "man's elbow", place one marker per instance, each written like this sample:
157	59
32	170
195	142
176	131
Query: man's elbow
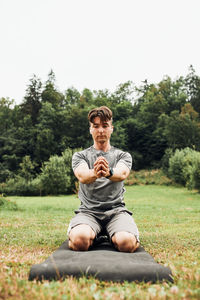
123	177
124	174
82	179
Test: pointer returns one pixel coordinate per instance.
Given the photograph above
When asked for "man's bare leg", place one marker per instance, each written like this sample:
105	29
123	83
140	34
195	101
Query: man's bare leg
81	237
125	241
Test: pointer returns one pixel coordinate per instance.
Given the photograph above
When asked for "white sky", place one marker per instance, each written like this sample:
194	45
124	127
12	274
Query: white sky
96	44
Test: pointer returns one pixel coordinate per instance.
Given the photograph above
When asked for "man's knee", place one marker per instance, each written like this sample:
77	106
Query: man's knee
125	241
81	237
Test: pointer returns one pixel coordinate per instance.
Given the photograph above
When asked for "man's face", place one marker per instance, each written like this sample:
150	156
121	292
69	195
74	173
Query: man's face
101	131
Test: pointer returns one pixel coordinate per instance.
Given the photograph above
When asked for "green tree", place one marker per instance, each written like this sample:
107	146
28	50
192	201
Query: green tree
27	168
72	96
32	101
46	129
102	98
6	112
86	98
76	129
15	139
192	82
182	129
124	92
144	136
50	93
174	94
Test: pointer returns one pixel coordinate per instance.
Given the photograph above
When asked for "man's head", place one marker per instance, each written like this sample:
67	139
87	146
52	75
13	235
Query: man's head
103	112
101	128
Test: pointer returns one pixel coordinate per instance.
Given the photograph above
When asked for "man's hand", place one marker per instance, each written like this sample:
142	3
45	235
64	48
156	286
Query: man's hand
86	175
101	167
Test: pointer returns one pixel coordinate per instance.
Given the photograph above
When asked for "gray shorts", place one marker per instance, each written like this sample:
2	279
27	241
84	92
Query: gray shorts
110	221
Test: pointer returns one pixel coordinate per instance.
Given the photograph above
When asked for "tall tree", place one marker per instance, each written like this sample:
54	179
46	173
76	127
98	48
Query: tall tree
32	101
72	96
182	129
50	93
124	92
193	88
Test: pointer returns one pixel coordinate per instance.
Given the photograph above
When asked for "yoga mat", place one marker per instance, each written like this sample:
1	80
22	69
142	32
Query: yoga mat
103	262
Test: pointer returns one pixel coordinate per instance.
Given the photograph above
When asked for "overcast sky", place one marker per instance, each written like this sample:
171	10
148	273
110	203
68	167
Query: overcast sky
96	44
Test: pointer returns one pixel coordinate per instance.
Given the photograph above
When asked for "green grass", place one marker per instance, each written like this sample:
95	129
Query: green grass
168	219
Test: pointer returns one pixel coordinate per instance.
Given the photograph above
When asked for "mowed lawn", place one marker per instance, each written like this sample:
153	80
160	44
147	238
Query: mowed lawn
168	219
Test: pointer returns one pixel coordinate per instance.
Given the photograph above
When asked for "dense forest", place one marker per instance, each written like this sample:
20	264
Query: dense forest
148	120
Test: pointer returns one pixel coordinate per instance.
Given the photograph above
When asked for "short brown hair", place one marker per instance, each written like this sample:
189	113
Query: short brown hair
103	112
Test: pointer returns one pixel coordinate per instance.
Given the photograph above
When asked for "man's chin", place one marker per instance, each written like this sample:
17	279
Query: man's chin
101	140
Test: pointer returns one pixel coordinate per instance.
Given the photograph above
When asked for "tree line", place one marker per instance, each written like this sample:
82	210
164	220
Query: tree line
149	121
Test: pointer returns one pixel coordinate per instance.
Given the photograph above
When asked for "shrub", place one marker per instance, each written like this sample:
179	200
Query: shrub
20	186
57	176
144	177
67	156
184	167
7	204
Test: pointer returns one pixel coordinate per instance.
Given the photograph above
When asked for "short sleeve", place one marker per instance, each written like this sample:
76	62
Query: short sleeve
125	158
77	159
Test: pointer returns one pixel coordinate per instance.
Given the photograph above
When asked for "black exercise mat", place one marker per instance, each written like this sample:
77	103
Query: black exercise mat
103	262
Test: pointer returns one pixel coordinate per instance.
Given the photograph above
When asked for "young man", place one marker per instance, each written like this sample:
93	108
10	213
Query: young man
101	170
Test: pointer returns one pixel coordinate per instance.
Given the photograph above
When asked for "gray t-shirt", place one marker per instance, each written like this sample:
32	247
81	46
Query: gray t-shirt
103	194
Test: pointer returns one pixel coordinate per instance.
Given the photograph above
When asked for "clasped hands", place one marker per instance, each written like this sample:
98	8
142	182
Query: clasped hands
101	167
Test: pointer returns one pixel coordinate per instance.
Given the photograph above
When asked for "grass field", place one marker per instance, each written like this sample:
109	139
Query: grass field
168	219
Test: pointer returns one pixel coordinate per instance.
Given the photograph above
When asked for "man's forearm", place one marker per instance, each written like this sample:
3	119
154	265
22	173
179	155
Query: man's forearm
119	175
86	177
101	169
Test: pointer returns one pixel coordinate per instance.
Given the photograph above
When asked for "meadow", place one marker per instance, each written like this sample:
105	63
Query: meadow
168	219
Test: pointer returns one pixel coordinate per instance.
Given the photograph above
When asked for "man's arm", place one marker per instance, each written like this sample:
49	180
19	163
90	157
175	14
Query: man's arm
101	169
120	173
84	174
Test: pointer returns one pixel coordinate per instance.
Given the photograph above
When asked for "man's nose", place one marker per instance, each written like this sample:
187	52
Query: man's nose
100	129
